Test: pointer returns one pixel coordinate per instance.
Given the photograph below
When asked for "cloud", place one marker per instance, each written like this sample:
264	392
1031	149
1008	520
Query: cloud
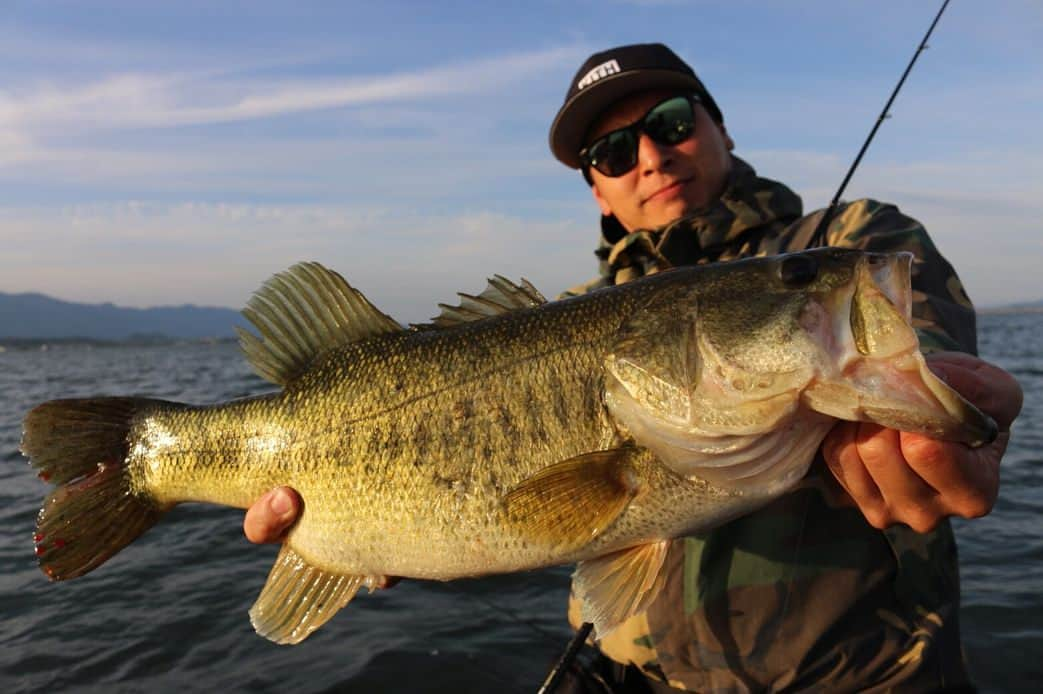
409	252
145	253
159	101
117	136
982	209
400	176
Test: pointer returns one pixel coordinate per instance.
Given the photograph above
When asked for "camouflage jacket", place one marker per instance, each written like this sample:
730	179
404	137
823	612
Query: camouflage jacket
800	594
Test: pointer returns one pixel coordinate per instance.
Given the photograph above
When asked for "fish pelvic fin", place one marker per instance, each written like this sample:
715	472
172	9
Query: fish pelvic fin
81	447
298	598
614	587
302	313
570	503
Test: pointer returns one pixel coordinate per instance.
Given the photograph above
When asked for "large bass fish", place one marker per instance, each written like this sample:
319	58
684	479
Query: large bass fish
509	434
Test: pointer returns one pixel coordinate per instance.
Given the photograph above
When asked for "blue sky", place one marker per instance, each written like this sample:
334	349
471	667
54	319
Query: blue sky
165	153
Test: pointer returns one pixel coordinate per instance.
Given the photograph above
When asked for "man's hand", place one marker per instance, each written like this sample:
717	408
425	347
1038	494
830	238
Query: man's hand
898	477
272	515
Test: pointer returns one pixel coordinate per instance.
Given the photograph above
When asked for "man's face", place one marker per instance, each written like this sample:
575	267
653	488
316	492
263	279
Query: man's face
668	182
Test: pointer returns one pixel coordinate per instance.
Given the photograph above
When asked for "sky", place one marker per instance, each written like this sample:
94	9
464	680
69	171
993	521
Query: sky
158	153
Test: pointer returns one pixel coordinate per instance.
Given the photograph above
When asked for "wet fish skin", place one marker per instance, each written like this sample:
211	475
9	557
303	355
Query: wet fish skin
524	395
589	430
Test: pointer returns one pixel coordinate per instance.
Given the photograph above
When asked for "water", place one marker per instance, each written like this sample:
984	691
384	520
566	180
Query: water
1001	557
169	613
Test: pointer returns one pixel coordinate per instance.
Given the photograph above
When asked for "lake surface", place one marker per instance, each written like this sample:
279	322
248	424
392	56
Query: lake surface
169	614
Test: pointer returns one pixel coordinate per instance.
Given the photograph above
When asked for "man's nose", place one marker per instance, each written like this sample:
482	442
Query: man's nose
652	156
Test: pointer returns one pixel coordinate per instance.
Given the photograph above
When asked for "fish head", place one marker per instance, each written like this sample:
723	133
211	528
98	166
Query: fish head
878	373
727	369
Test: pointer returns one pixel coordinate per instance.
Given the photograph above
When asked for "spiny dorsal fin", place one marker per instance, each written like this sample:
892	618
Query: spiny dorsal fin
500	296
301	313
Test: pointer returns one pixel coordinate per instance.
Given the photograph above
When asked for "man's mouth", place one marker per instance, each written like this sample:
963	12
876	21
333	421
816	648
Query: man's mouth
668	191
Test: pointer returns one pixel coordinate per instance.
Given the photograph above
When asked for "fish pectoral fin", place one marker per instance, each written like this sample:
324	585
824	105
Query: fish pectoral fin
298	598
570	503
615	587
302	313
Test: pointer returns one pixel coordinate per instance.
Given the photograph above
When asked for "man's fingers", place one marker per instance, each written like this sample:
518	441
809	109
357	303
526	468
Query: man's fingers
897	477
866	459
274	513
967	479
268	519
908	498
841	455
991	389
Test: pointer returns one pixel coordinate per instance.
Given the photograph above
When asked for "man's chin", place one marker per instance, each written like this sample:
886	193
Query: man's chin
668	211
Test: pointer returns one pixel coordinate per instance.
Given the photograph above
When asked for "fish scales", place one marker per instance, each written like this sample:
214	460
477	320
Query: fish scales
509	435
398	419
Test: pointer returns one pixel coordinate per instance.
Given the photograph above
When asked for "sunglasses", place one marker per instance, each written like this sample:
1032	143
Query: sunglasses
669	122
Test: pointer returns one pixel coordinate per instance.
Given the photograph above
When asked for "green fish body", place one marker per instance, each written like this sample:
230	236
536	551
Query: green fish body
510	434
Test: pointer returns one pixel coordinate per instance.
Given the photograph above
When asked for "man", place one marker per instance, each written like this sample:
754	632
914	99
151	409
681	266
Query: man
860	594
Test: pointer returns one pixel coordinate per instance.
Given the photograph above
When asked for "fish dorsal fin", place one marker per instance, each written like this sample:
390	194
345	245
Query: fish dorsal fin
500	296
302	313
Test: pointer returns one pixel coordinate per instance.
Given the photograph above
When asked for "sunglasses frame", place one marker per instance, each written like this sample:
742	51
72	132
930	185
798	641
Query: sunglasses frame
636	129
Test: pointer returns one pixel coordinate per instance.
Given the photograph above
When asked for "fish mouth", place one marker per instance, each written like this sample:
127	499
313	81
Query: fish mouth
882	376
916	401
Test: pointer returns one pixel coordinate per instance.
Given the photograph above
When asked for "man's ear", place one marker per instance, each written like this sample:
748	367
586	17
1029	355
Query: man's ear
728	141
600	200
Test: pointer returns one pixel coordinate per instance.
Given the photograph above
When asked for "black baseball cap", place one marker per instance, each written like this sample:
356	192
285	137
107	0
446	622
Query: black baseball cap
609	76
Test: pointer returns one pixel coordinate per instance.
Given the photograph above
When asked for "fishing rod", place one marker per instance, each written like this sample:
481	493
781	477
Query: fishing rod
550	684
818	238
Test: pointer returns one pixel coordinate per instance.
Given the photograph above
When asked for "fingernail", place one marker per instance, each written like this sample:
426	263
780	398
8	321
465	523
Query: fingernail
280	502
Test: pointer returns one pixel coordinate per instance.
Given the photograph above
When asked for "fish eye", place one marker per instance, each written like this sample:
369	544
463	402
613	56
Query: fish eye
798	270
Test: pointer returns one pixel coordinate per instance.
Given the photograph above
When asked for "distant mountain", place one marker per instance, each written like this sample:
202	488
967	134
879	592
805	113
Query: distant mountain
1028	304
1020	307
36	316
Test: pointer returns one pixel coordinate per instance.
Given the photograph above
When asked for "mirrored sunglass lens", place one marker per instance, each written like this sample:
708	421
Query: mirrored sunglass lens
621	152
614	154
670	122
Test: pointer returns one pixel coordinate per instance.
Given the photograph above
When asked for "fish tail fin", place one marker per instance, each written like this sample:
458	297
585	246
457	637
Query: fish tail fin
81	447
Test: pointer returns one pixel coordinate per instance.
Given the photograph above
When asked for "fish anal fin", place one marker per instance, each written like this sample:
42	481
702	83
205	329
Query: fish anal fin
302	313
614	587
570	503
298	598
